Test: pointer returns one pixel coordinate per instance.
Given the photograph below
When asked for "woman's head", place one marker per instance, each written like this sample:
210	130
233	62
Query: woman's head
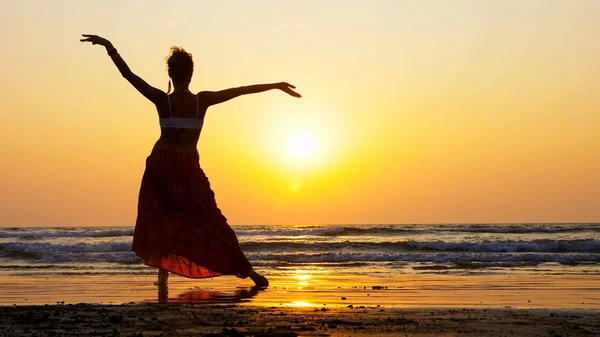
180	65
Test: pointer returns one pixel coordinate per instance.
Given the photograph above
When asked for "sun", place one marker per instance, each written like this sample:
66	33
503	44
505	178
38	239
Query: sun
301	145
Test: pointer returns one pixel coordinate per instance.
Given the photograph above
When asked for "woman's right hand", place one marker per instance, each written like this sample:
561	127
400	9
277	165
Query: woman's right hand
287	88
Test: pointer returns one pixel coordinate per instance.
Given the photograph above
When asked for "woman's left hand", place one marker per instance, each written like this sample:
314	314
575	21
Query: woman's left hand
95	39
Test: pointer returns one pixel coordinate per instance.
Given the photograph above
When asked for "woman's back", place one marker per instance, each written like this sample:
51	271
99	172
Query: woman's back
181	119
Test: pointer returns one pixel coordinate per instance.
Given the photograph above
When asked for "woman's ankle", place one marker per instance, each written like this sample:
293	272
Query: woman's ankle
163	276
258	279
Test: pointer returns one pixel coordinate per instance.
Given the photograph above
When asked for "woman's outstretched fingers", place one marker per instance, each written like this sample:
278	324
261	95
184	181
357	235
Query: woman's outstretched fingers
287	88
94	39
88	37
293	93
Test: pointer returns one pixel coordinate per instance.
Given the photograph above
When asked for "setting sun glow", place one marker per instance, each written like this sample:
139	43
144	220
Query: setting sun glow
425	112
302	145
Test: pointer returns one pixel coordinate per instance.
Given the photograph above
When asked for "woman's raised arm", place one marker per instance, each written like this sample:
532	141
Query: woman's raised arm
150	92
215	97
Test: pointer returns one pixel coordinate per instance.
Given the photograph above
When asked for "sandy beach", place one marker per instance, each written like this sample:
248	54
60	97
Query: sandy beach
235	320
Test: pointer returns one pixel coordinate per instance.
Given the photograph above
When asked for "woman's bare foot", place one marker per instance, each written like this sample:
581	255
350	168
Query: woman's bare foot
258	279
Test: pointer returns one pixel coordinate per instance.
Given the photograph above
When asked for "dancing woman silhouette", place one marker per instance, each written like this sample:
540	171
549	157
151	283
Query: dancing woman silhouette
179	227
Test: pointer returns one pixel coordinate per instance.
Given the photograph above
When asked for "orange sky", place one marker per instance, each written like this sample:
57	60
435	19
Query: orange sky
416	111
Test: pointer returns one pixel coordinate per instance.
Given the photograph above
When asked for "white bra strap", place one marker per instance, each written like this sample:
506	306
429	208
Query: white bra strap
169	100
197	106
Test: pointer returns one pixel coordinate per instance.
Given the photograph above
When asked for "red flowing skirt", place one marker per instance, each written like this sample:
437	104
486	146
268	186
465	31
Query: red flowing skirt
179	227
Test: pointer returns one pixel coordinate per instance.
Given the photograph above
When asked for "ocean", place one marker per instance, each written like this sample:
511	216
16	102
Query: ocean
371	250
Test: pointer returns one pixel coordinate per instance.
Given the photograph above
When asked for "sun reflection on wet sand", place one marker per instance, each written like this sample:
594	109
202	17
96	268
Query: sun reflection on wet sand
301	304
302	277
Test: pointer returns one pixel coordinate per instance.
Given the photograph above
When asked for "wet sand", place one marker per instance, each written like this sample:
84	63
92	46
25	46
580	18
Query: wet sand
301	305
306	289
